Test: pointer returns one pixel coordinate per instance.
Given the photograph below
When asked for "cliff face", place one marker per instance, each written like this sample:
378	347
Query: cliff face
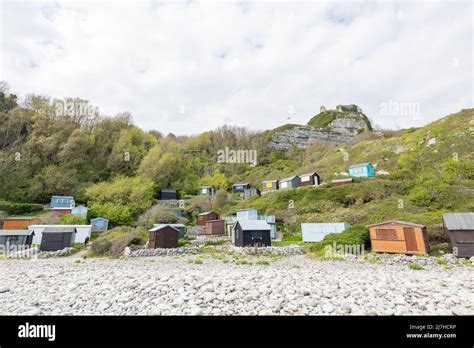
334	126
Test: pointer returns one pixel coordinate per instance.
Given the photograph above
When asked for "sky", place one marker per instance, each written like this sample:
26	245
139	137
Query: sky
187	66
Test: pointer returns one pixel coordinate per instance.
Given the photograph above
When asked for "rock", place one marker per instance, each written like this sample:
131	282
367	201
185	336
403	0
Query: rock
346	125
328	308
103	306
4	289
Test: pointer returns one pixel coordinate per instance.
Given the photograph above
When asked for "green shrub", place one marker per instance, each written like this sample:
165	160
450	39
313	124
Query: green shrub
69	219
263	262
420	196
159	214
120	243
354	235
20	208
117	214
415	266
115	240
292	238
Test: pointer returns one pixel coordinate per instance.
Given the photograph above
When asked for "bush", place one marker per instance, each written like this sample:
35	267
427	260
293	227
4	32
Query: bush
134	192
420	197
72	220
20	208
159	214
354	235
292	238
114	241
415	266
101	246
120	243
117	214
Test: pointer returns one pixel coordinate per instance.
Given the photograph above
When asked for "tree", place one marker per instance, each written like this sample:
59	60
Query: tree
134	192
117	214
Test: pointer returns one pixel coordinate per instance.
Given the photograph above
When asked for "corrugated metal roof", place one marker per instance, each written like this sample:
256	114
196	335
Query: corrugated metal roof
342	180
99	218
47	226
289	178
15	232
19	218
207	213
269	181
459	221
172	225
160	227
59	230
254	225
398	222
168	190
309	174
359	165
239	184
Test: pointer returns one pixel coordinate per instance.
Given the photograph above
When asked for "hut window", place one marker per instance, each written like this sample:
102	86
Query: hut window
387	234
284	185
268	185
256	235
464	237
305	178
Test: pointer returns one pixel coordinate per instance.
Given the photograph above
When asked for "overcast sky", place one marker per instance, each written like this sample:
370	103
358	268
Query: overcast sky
186	67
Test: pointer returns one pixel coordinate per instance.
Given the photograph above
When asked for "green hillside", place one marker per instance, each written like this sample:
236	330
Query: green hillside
117	169
423	181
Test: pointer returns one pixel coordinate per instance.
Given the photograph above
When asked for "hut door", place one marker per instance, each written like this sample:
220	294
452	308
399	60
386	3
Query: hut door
152	241
410	239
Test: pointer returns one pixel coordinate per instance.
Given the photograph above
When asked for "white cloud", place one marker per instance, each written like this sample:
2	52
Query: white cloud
242	63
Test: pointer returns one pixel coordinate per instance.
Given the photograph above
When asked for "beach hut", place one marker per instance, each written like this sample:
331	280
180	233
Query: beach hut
270	185
82	235
251	233
80	210
180	227
251	192
166	195
363	170
247	214
207	191
62	205
99	224
342	182
16	238
310	179
163	236
289	183
399	237
215	227
460	229
62	202
240	188
57	238
18	223
315	232
206	216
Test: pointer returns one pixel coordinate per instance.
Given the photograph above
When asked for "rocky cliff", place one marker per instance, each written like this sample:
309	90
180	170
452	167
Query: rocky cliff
334	126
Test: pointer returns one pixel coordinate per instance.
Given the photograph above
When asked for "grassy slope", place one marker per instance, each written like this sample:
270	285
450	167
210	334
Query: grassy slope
426	180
